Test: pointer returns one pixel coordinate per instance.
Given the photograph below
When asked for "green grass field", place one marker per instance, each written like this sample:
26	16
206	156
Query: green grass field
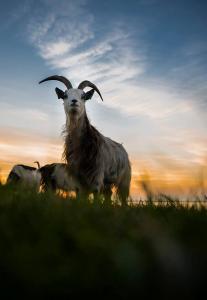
55	247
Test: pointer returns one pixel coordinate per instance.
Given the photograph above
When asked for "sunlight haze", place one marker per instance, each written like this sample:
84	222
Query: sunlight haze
147	57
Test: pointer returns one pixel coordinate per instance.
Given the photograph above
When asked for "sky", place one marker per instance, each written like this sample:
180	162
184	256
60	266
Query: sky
147	57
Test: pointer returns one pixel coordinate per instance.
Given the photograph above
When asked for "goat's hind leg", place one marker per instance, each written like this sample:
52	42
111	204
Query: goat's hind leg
123	193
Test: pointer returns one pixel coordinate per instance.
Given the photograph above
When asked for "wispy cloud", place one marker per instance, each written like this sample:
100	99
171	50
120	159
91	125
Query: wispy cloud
69	42
66	36
59	22
28	114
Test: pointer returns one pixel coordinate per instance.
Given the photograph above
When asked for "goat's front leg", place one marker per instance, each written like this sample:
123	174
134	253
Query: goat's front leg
107	192
96	189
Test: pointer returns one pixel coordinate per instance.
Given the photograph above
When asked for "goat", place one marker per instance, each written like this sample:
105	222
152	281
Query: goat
26	176
97	162
55	177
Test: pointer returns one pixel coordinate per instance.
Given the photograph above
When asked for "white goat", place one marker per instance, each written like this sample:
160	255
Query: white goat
25	176
97	162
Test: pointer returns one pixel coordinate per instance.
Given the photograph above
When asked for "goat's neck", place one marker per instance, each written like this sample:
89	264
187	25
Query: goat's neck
77	126
76	129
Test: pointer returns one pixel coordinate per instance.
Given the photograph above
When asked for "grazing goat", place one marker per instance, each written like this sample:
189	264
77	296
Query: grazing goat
25	176
97	162
55	177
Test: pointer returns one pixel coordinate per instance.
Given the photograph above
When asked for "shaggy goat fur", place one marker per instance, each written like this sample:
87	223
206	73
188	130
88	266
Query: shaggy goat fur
97	162
55	177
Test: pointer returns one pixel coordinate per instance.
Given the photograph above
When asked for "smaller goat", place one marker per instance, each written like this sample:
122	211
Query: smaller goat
25	176
55	177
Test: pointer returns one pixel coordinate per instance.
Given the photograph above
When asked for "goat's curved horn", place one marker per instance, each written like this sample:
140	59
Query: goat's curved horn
59	78
38	164
87	83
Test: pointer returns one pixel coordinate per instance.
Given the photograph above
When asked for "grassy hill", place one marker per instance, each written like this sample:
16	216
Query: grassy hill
50	246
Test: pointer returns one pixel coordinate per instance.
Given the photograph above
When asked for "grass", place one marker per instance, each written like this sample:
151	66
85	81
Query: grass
55	247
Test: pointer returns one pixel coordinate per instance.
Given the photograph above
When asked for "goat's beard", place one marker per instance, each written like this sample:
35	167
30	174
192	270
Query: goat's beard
74	111
73	119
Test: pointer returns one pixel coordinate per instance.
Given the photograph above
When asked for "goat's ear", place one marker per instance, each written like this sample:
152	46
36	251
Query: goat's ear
89	94
60	93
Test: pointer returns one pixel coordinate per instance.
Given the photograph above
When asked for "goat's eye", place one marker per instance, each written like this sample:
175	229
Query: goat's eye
65	97
83	96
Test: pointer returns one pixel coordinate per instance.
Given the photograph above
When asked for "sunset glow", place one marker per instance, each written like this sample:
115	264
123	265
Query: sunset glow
149	60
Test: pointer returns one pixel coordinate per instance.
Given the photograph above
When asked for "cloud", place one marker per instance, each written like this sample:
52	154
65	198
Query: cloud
26	113
54	49
59	22
67	38
18	116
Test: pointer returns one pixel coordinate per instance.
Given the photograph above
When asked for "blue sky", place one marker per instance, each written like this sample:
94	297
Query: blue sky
148	57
